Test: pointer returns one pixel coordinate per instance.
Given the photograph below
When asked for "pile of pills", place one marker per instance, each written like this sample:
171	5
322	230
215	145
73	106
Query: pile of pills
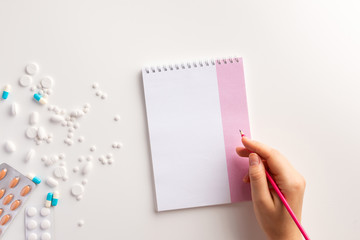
99	93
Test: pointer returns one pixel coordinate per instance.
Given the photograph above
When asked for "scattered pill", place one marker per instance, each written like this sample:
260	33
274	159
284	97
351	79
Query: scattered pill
119	145
15	205
2	192
30	155
109	155
77	190
89	158
14	182
46	236
110	161
31	211
10	147
34	118
25	81
95	85
3	173
25	190
76	169
60	172
32	68
34	178
31	224
5	219
46	82
98	93
6	91
40	99
8	199
55	199
80	223
31	132
57	118
78	198
117	118
14	109
84	181
51	182
104	96
87	168
70	135
41	133
45	211
92	148
61	156
49	198
45	224
81	139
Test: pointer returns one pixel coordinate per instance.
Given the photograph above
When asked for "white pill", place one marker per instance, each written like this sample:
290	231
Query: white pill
81	139
65	178
87	168
14	109
104	96
45	224
81	159
47	82
49	91
76	125
30	155
32	236
119	145
25	81
87	105
59	172
71	129
63	123
54	158
34	118
10	147
117	118
32	68
77	189
56	118
31	132
102	159
44	211
81	223
89	158
51	182
95	85
61	156
32	224
84	181
92	148
78	198
31	211
98	93
109	155
76	169
70	135
110	161
46	236
41	133
85	110
70	141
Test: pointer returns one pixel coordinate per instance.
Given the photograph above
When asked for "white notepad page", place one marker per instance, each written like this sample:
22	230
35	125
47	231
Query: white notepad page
186	137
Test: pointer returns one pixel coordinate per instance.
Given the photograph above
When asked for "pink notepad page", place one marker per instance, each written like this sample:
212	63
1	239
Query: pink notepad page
194	113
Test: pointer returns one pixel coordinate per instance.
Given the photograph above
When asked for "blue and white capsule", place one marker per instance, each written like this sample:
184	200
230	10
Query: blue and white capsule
49	198
6	91
34	178
55	198
40	99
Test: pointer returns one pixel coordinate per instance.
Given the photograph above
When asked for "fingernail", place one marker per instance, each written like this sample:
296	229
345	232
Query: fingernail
254	159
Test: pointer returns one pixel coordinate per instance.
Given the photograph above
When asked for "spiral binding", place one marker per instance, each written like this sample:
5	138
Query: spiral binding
188	65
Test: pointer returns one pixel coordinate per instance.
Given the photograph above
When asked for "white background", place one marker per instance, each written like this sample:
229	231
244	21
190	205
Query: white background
303	79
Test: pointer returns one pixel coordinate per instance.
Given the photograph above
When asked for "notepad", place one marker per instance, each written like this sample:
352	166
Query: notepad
194	113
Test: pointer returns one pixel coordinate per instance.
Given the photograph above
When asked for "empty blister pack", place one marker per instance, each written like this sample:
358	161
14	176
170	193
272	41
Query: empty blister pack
15	189
39	223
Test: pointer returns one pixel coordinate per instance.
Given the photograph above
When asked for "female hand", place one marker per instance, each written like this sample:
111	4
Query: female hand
269	210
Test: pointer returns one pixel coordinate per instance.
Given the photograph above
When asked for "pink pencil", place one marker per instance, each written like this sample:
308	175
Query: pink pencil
283	200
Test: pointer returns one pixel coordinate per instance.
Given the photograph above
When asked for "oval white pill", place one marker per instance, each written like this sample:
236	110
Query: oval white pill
14	109
31	225
41	133
32	236
47	82
31	132
45	224
77	190
25	81
10	147
87	168
30	155
34	118
44	211
31	211
32	68
57	118
51	182
46	236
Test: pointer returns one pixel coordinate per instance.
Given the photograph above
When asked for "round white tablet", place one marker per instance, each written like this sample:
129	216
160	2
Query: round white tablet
32	236
32	68
25	81
31	132
46	236
47	82
31	211
32	224
59	172
45	224
77	190
81	223
44	211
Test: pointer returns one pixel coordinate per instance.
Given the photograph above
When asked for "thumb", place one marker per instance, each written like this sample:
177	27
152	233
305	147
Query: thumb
259	187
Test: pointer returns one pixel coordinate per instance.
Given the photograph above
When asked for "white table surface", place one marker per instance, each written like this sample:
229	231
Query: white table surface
303	79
